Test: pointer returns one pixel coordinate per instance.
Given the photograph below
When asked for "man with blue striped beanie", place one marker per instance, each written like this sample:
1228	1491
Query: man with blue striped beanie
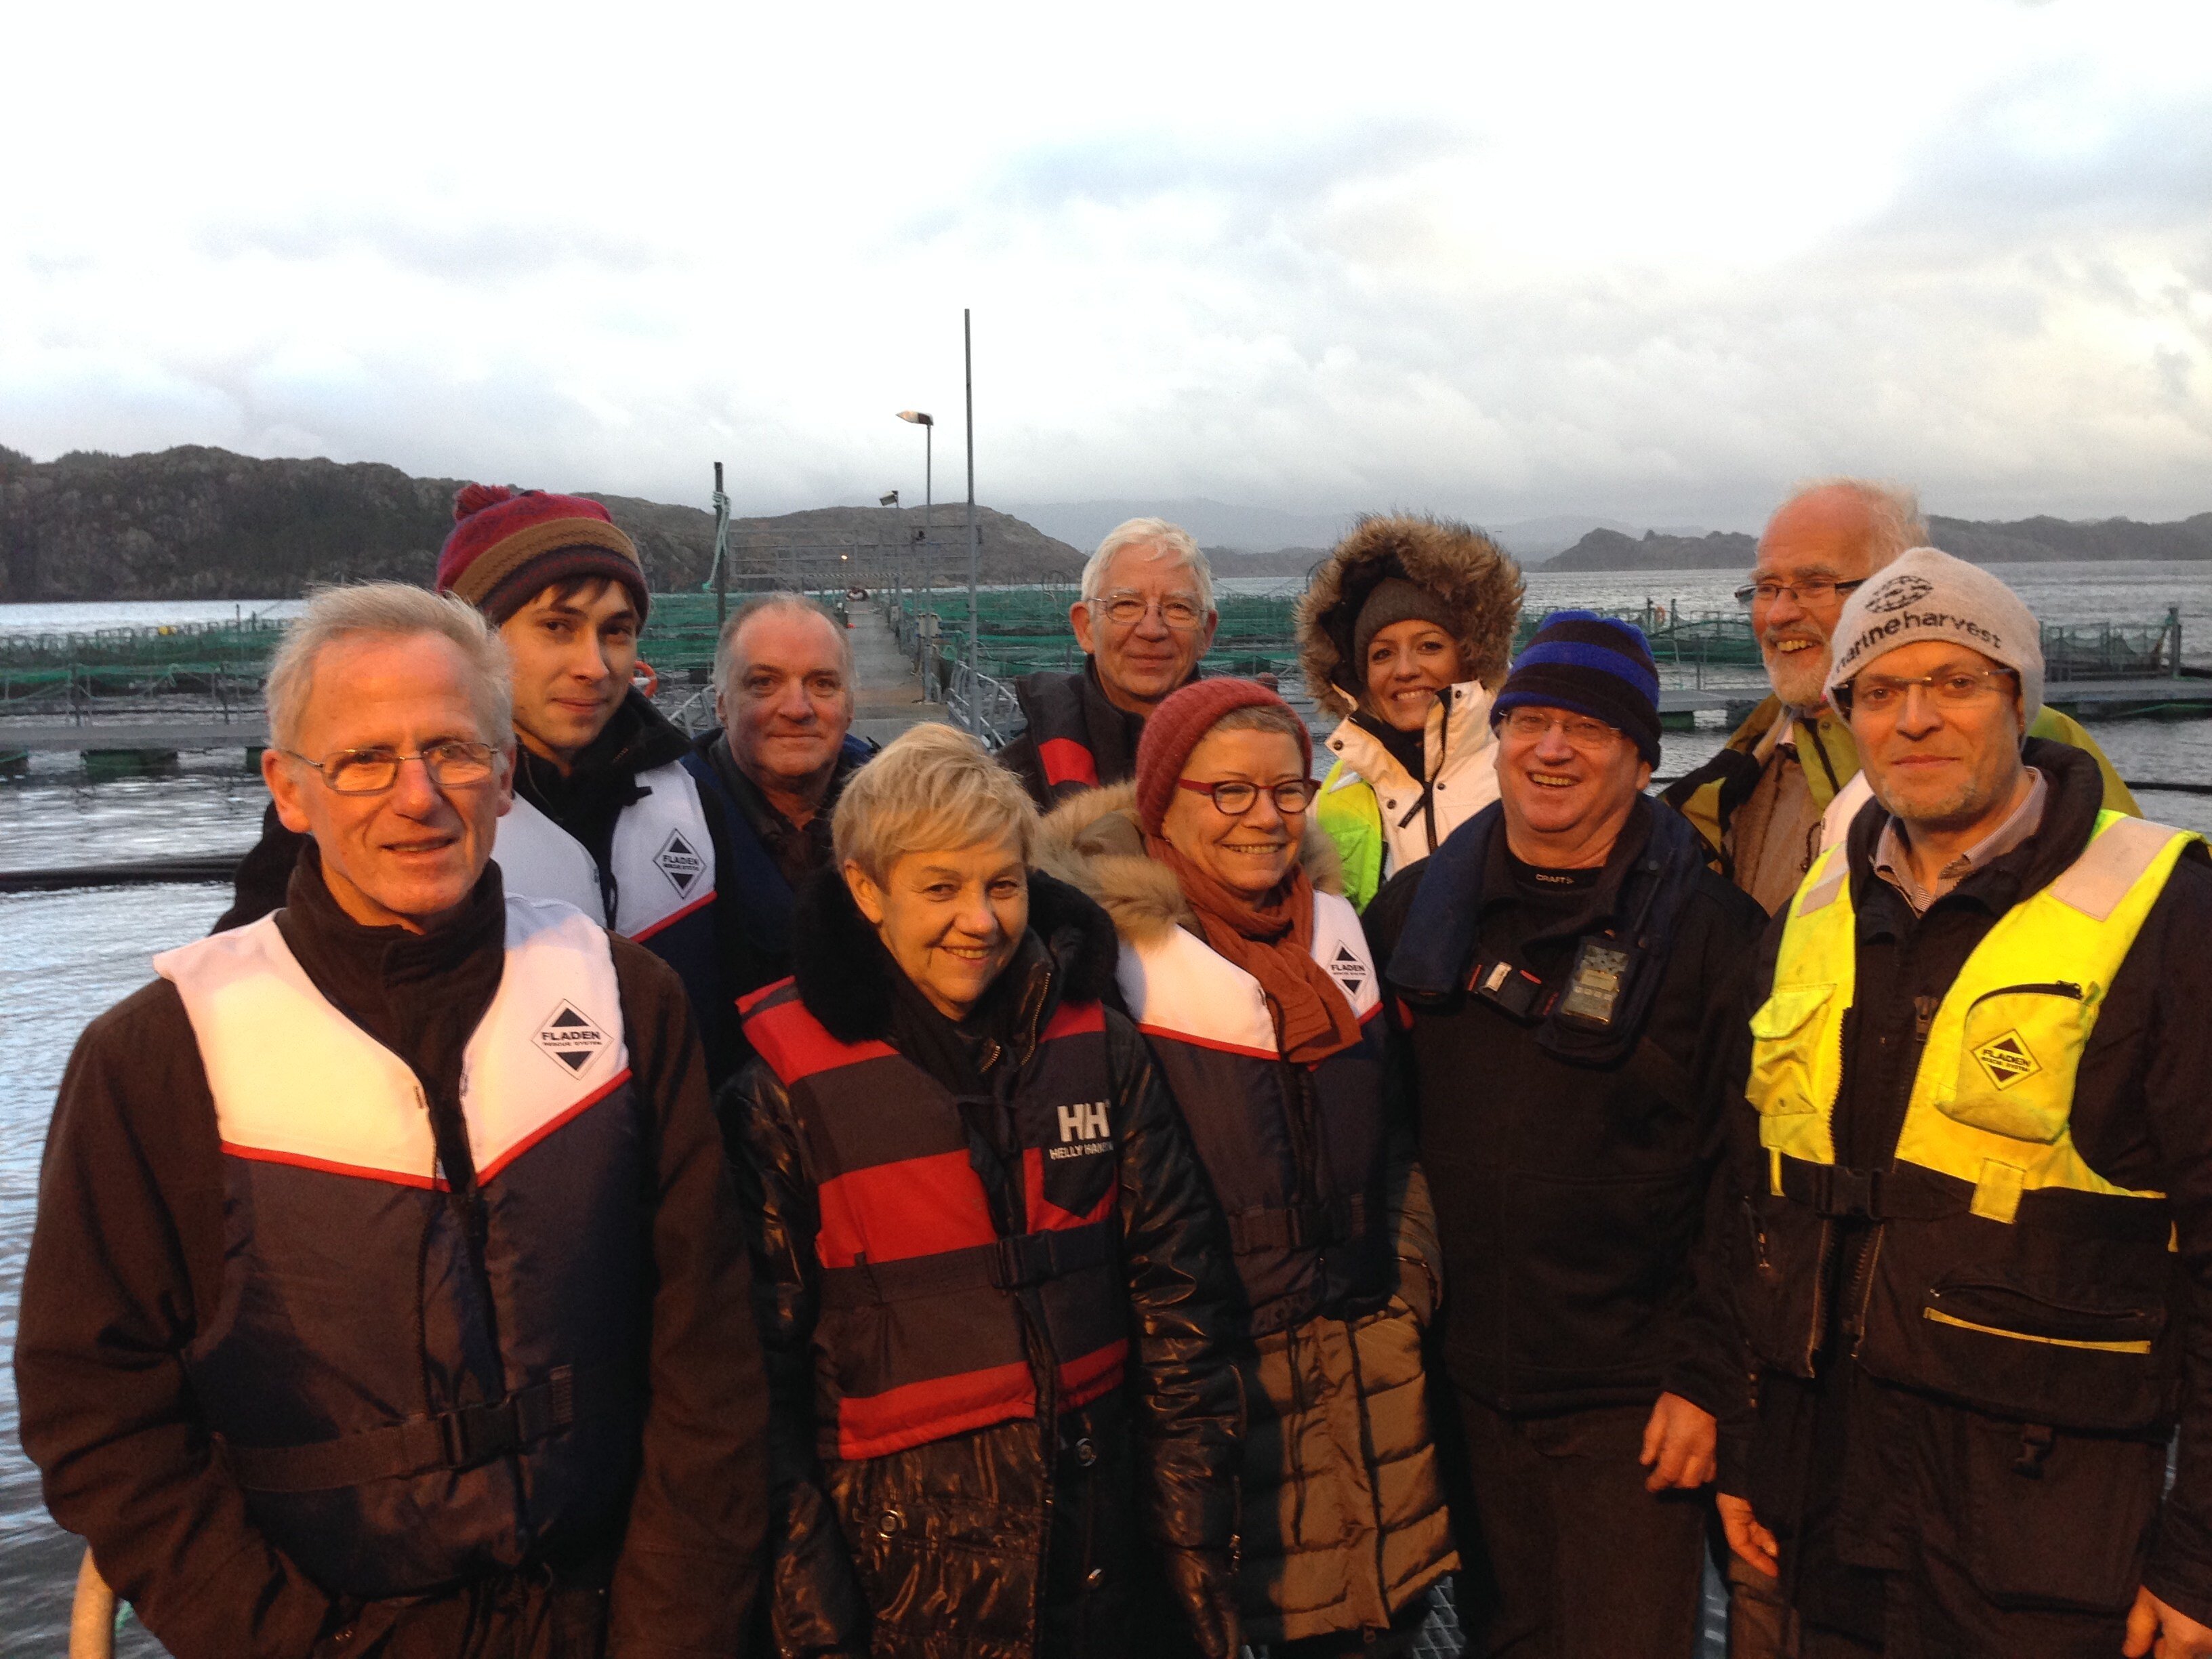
1571	969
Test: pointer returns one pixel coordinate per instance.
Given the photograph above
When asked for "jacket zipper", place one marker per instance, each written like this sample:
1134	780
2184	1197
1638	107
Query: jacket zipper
2058	988
1859	1293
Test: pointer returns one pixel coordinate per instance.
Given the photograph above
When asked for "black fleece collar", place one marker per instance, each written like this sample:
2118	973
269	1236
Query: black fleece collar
845	976
396	985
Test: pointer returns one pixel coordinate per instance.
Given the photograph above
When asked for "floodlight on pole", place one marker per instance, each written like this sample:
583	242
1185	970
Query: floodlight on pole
928	425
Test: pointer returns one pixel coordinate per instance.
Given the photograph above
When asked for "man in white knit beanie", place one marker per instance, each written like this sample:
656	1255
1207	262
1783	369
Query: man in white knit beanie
1978	1169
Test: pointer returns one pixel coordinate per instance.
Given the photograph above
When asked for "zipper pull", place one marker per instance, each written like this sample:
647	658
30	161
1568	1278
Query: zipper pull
1923	1016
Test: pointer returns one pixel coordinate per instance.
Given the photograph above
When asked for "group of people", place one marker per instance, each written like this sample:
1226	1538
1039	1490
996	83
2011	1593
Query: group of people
600	1191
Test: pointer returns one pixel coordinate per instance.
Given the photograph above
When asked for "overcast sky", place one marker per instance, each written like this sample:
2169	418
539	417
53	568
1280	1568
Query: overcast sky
1647	262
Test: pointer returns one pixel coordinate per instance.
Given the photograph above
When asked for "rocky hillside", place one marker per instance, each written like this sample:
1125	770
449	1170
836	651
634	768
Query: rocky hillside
2025	541
201	523
1608	550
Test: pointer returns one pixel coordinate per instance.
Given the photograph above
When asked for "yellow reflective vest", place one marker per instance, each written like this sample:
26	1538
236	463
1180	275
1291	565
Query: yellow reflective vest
2006	1271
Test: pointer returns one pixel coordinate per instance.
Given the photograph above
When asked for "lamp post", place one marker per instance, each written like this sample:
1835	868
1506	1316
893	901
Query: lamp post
928	425
974	547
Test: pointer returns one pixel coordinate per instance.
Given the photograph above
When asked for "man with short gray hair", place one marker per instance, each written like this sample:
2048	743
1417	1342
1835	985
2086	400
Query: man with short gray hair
769	775
1758	803
387	1294
1145	618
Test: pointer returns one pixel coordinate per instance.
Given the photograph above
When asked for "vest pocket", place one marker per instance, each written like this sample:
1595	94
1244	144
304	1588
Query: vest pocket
1785	1035
2057	1519
2019	1049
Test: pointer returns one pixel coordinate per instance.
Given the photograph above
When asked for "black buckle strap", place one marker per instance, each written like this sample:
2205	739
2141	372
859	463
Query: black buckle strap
1297	1227
1028	1259
457	1439
1899	1194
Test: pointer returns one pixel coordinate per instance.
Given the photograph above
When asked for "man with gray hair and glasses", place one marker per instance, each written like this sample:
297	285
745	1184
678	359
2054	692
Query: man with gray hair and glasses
387	1294
1145	618
1759	802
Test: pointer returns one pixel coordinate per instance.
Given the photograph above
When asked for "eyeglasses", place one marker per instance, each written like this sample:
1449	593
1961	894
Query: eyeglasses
1591	737
1126	609
452	764
1233	798
1954	687
1806	593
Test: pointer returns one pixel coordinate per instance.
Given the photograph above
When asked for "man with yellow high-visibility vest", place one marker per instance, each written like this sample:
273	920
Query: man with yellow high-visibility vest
1977	1248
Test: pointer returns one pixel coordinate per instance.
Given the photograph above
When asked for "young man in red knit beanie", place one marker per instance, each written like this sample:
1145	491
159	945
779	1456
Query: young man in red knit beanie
607	816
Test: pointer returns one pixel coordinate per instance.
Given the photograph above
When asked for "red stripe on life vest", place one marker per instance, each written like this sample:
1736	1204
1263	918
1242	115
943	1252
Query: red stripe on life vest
753	999
1174	1036
1073	1019
1066	761
674	916
915	1413
1046	1217
889	1211
547	1129
794	1043
1098	1372
328	1166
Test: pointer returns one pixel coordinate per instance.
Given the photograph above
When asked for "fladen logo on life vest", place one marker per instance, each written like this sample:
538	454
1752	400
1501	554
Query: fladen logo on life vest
1348	970
680	862
571	1036
1084	1129
2006	1060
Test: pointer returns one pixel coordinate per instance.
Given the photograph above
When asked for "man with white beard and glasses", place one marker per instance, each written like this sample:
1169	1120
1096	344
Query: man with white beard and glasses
1760	803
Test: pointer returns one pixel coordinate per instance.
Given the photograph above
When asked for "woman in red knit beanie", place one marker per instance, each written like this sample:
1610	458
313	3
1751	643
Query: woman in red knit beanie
1248	970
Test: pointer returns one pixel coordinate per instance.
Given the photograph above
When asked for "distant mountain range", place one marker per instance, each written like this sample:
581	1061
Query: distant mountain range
2024	541
194	522
1266	532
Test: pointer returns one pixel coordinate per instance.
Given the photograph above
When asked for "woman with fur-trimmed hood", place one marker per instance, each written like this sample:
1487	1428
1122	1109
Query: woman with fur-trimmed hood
1250	976
1405	631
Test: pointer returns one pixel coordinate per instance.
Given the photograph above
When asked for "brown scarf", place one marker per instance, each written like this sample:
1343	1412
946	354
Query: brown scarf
1271	938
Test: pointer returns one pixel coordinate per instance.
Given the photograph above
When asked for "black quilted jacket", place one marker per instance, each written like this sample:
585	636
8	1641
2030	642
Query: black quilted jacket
1116	1533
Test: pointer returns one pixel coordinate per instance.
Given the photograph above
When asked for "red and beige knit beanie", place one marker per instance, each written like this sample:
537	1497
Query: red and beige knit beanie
1177	726
507	546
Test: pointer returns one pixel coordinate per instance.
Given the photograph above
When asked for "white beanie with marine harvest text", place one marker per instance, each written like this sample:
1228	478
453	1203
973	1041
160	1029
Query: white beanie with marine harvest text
1924	594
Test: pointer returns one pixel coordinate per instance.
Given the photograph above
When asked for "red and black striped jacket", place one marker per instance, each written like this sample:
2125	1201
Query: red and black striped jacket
998	1328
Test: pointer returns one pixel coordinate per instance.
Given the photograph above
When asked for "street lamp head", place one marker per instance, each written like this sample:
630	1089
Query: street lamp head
891	500
917	417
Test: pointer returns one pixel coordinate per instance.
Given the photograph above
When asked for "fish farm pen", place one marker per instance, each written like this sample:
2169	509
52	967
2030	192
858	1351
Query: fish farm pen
215	670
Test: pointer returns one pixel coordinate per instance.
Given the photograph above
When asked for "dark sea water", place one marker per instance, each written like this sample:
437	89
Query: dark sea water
72	954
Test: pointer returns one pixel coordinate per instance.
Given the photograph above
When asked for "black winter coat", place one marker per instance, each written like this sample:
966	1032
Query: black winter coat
934	1551
1576	1200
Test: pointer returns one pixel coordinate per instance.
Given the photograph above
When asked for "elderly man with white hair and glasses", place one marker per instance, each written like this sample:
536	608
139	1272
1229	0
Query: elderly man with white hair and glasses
1145	618
387	1294
1760	803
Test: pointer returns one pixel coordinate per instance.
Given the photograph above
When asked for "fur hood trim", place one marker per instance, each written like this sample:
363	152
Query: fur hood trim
1092	842
844	976
1470	573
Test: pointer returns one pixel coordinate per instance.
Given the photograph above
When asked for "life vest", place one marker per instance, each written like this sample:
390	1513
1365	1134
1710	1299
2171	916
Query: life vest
1377	834
662	861
2009	1274
1052	703
404	1405
1294	1152
932	1283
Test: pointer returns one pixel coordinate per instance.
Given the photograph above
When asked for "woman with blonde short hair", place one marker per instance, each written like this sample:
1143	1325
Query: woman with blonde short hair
996	1319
